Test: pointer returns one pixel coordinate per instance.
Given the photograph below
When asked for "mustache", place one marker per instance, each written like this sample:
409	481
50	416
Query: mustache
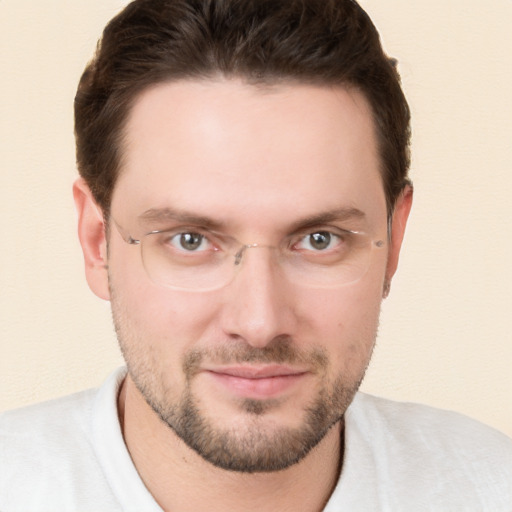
280	350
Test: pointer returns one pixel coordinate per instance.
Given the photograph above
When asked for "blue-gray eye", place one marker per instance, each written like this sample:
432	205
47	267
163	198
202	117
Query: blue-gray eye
188	241
320	241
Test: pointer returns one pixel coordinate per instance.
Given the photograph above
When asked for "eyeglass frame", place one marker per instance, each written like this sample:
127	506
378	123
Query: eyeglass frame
238	255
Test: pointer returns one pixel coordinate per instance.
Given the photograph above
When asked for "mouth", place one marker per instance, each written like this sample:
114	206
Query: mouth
257	382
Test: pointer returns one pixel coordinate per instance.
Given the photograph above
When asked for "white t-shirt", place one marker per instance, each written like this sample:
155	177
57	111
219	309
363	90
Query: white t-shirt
68	455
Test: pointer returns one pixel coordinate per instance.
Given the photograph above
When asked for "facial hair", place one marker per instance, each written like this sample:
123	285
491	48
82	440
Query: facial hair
255	447
255	444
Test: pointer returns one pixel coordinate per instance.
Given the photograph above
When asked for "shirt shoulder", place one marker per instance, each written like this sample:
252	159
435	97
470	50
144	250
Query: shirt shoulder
50	416
47	454
412	455
431	428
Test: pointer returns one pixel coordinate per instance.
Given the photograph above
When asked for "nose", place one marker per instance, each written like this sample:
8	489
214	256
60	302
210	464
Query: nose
258	303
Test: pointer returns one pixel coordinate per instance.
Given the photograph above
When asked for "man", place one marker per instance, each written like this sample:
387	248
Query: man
242	203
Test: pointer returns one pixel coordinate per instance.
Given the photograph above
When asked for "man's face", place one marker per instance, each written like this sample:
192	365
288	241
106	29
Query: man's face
252	374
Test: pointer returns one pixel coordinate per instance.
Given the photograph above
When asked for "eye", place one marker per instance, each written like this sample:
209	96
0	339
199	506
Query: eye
191	242
318	241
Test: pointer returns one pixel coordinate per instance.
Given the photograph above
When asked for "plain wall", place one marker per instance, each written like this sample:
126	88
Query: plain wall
445	336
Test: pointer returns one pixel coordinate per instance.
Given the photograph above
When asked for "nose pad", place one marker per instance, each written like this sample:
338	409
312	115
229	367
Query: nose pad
257	269
273	269
241	252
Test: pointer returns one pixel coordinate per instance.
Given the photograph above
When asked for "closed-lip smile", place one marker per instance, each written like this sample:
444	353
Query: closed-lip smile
257	371
257	381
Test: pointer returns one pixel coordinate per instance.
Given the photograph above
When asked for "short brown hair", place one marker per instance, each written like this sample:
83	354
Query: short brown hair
324	42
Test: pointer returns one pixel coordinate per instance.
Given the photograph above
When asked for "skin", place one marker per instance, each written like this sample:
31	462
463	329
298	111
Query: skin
256	161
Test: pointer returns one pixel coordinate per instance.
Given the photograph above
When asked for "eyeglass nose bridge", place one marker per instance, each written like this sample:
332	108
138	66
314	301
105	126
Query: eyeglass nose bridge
241	251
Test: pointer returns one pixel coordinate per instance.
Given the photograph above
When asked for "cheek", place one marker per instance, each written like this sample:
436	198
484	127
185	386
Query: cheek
155	316
345	322
346	309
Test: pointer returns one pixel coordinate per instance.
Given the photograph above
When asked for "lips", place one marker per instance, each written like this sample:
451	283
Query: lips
257	382
258	372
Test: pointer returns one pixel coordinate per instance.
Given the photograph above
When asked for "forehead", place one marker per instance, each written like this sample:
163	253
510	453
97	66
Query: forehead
236	152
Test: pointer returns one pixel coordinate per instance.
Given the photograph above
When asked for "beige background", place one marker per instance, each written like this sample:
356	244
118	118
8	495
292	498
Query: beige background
445	336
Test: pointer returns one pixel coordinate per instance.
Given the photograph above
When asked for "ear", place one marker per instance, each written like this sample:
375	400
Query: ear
398	223
91	232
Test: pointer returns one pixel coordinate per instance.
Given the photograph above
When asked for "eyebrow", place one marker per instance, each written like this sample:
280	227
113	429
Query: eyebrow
336	215
172	214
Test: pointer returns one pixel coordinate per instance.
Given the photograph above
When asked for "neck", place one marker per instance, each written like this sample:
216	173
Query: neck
182	481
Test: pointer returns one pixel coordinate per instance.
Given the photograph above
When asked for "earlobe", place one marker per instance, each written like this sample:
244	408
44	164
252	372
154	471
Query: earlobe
398	222
92	235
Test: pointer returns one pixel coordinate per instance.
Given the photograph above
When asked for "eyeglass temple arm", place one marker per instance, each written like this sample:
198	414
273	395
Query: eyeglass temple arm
126	237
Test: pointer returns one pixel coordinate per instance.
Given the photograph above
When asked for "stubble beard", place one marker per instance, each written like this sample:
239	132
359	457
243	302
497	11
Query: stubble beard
257	446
